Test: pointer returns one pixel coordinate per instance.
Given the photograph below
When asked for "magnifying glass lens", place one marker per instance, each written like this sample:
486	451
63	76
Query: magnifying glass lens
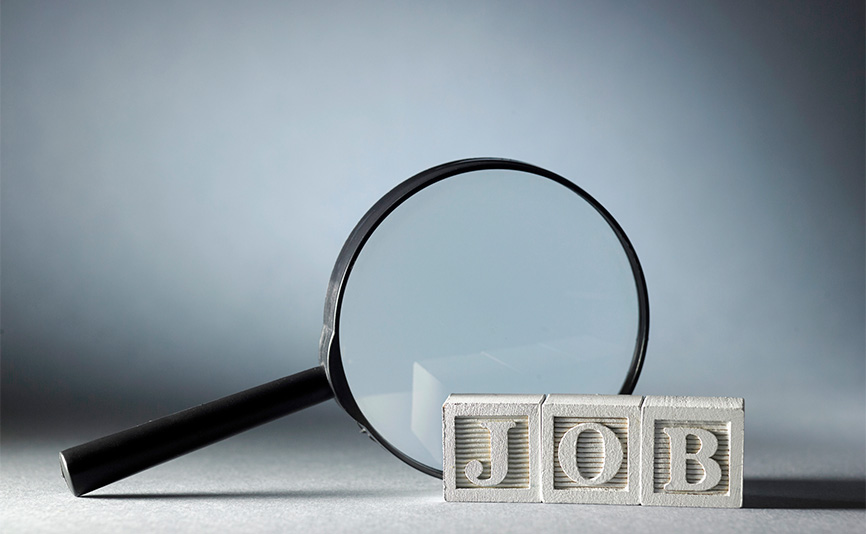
490	281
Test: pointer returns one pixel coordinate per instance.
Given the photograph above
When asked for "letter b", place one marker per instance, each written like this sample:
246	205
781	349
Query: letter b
679	455
692	451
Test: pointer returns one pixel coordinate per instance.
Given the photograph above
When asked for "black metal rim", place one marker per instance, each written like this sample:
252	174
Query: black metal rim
329	345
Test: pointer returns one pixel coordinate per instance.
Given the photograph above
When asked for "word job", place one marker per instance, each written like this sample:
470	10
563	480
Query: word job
613	449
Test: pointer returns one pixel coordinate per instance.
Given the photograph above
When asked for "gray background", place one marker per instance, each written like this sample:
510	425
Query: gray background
178	179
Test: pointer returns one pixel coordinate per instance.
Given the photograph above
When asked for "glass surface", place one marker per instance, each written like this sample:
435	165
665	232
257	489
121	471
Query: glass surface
492	281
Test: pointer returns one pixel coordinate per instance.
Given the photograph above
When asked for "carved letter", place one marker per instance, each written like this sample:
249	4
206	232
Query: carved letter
498	454
611	448
679	457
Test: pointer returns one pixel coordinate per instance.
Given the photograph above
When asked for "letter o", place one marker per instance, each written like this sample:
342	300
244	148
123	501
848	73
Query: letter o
611	449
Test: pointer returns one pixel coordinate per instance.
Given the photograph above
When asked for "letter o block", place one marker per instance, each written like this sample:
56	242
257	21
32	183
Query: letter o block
591	449
490	448
692	452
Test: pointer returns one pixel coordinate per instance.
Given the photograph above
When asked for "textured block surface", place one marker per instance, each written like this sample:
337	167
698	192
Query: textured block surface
692	451
490	446
590	450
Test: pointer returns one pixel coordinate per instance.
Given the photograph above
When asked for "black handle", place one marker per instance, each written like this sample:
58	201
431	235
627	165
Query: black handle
105	460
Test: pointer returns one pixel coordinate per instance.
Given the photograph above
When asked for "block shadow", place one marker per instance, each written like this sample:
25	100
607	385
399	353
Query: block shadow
760	493
805	493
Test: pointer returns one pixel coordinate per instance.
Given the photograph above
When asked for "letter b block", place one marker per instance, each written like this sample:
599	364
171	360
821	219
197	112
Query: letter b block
692	451
491	448
591	449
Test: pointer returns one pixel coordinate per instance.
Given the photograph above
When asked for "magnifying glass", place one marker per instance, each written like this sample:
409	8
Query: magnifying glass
476	276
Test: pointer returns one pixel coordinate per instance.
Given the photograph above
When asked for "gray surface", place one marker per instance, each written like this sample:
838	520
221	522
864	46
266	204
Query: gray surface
315	473
178	178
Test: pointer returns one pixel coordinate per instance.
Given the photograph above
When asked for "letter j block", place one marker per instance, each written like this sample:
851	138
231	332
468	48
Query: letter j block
692	451
490	448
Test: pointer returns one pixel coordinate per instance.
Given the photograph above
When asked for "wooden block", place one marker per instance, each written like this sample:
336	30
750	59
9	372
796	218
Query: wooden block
590	450
490	446
692	451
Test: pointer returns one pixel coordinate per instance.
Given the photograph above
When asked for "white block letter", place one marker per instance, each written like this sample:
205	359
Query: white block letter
692	451
498	455
611	451
680	457
490	448
590	449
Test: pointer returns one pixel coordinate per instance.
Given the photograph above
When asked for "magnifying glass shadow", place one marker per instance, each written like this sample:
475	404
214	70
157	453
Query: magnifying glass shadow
293	494
805	493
